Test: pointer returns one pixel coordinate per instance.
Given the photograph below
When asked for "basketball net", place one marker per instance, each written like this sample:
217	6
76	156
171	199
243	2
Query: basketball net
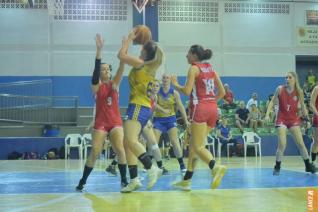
55	7
140	4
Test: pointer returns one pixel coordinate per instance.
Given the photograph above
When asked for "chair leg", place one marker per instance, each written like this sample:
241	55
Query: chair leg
85	152
245	150
213	150
68	156
228	150
260	150
219	150
80	151
255	147
107	154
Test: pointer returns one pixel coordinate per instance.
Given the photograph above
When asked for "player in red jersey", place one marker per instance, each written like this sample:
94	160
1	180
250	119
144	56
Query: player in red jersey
200	86
290	101
314	107
107	118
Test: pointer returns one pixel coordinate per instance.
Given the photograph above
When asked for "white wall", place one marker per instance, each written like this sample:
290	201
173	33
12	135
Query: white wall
33	44
23	42
243	44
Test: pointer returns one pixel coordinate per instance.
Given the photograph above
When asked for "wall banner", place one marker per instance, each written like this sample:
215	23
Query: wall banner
307	36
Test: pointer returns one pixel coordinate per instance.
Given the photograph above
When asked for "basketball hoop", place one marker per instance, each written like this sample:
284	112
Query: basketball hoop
55	7
140	4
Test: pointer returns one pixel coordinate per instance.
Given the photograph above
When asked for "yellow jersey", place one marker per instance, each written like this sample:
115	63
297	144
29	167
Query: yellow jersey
140	83
166	101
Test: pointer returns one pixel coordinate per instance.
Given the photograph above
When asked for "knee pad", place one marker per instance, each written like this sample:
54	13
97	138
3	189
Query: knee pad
154	147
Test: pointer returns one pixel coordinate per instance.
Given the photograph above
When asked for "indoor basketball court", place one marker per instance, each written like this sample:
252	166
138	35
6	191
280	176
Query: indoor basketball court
48	49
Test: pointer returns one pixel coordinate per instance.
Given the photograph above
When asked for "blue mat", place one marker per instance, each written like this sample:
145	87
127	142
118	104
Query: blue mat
98	181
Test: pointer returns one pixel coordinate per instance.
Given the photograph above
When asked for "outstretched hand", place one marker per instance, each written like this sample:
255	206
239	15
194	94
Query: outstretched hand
127	40
99	41
267	119
132	34
174	80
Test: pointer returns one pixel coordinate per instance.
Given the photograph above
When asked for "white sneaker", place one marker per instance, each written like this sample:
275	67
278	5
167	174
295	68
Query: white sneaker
217	172
153	174
132	186
184	185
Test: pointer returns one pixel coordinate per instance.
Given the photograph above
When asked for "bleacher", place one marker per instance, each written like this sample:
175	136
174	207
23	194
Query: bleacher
25	132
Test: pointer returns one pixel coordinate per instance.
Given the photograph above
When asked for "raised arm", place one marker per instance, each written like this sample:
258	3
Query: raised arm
123	55
272	103
181	108
313	99
187	88
119	75
304	110
219	84
95	78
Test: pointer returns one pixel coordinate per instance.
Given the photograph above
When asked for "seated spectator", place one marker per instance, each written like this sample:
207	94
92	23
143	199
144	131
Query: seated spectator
272	112
242	117
311	80
228	99
255	118
225	136
307	93
219	117
251	101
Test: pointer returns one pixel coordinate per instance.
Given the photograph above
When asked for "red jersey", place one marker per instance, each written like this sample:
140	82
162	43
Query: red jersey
203	90
229	96
287	108
107	107
315	118
152	104
203	106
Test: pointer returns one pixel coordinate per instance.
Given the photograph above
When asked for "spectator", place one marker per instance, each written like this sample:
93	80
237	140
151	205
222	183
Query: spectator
307	92
225	136
228	99
311	80
255	118
252	100
272	112
242	117
219	116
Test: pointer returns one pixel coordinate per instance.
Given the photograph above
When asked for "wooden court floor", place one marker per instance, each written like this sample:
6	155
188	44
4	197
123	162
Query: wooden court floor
248	186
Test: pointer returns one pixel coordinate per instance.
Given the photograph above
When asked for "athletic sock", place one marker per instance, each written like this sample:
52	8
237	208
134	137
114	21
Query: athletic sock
122	171
145	160
188	175
211	164
86	173
132	171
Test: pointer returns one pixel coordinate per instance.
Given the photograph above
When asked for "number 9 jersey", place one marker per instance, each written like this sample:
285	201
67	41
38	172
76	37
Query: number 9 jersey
107	108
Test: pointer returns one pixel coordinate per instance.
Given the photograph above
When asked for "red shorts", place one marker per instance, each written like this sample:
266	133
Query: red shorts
287	122
315	121
107	126
204	112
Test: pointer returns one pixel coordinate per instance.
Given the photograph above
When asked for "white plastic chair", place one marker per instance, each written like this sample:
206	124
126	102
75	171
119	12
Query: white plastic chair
107	146
252	139
219	146
228	148
87	142
211	144
181	139
73	140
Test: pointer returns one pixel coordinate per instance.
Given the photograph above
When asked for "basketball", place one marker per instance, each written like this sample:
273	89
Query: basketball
143	34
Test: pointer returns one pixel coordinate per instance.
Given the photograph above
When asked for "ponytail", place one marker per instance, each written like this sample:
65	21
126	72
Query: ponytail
202	54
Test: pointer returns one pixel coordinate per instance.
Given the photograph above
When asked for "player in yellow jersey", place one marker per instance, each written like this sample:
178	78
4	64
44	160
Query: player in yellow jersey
165	120
141	78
